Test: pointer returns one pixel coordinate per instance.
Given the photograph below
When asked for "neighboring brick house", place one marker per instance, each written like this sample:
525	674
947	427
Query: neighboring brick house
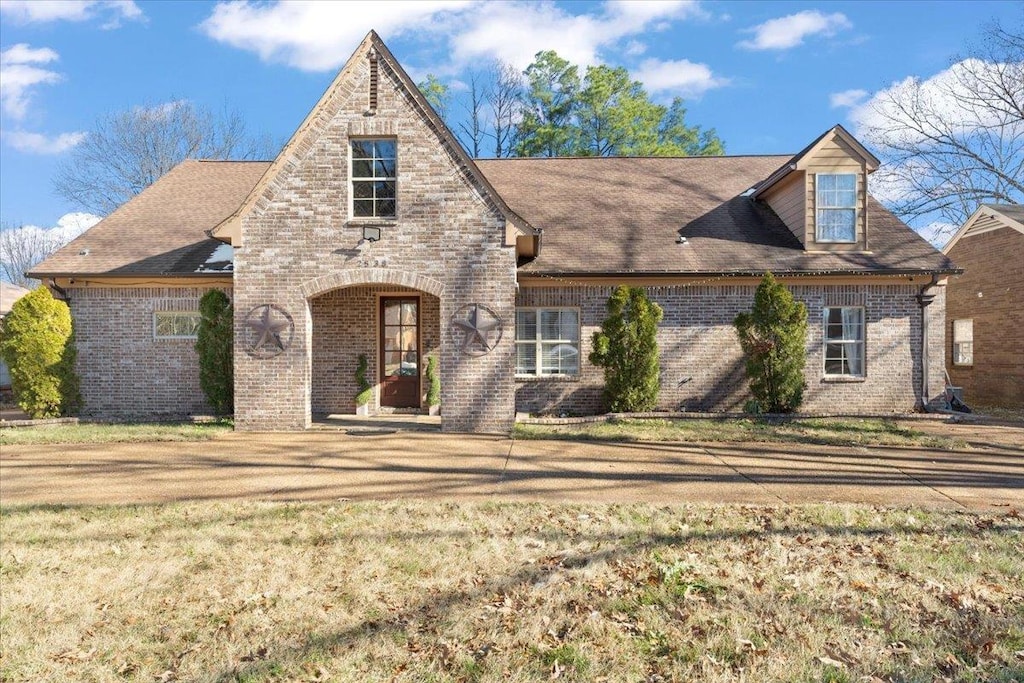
373	233
985	307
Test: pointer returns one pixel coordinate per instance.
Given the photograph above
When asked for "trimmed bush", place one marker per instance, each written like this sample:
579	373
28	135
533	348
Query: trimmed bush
433	382
627	349
38	345
363	384
215	345
773	336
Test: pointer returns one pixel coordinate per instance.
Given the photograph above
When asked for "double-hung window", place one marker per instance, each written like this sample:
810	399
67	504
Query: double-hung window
547	341
844	341
374	175
175	325
963	342
836	215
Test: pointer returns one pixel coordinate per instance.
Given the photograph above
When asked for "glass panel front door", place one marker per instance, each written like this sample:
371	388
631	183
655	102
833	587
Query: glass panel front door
400	352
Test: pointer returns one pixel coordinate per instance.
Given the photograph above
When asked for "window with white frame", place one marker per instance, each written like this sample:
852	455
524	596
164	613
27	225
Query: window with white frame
836	206
547	341
844	341
374	175
963	342
176	324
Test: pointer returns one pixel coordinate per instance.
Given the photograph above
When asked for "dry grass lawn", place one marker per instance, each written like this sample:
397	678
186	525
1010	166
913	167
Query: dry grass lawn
821	431
418	591
114	433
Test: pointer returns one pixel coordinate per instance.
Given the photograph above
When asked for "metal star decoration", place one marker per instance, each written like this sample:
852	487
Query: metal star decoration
480	328
269	330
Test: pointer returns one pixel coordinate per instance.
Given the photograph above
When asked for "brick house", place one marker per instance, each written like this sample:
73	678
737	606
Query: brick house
985	307
373	233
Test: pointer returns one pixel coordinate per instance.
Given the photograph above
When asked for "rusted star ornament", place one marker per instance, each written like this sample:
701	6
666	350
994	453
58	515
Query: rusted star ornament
272	330
480	329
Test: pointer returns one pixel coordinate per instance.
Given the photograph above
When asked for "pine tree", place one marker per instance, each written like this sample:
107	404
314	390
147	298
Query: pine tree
627	349
773	336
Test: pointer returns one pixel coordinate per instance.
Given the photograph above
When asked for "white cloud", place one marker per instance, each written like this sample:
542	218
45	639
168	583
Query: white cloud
19	74
37	143
319	36
45	11
679	77
789	31
938	233
846	98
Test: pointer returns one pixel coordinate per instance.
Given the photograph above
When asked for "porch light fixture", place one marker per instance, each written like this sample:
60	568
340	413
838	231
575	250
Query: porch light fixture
371	233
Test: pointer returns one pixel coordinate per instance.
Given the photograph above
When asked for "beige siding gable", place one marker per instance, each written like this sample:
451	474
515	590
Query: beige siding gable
788	200
834	155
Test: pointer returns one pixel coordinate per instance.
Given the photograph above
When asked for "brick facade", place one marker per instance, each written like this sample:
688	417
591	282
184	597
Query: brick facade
125	372
702	366
299	242
991	293
344	326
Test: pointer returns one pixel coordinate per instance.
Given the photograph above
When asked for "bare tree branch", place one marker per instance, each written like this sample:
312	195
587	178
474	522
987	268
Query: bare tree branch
128	151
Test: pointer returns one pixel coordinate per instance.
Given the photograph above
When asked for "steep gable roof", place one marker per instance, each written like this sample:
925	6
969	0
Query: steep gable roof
989	217
163	230
229	230
798	160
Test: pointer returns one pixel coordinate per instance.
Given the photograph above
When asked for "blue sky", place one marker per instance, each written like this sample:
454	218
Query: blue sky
769	76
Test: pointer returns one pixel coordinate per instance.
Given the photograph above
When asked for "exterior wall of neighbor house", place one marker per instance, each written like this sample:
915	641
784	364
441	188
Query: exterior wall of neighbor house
125	372
345	326
299	242
702	366
835	156
991	293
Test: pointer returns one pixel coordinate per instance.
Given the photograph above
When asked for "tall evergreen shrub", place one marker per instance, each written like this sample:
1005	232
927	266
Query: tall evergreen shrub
627	349
365	392
215	345
773	336
38	345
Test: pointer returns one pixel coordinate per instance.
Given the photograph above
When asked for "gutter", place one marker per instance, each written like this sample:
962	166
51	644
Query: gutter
63	293
924	299
738	273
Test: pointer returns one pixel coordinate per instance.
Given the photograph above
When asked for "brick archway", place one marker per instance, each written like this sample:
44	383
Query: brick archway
370	276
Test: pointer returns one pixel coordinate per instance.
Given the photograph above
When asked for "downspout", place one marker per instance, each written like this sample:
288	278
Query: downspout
924	298
60	290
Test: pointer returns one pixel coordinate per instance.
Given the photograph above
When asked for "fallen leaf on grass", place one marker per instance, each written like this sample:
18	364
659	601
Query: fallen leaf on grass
71	656
828	661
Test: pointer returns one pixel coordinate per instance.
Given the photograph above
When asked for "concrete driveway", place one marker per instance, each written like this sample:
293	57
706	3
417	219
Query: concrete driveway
330	465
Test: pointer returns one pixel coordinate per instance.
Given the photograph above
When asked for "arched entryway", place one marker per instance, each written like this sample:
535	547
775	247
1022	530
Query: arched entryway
389	321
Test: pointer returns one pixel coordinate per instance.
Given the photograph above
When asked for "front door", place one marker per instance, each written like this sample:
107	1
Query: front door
400	352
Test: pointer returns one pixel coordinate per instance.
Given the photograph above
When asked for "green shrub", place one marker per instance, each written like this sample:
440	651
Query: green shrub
773	336
38	345
433	382
627	349
215	345
365	388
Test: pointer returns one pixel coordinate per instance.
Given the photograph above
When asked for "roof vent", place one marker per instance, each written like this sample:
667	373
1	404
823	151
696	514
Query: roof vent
680	240
84	252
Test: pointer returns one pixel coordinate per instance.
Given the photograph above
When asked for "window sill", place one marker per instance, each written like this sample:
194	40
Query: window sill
843	379
382	222
548	378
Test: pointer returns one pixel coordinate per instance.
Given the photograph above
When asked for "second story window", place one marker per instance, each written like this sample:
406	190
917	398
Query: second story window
836	210
373	178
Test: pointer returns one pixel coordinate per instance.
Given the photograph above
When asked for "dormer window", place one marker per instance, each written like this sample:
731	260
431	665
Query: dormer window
836	215
373	178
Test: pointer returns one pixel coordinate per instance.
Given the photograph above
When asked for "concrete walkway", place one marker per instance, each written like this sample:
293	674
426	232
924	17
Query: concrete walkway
329	465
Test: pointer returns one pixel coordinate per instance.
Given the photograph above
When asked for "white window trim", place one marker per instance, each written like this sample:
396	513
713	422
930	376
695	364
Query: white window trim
856	211
351	192
825	341
196	314
538	342
955	343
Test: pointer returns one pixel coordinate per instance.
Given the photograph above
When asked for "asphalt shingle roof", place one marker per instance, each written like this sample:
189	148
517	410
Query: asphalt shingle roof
598	216
162	231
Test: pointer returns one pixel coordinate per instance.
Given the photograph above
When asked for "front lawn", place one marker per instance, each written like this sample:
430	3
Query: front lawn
411	591
821	431
113	433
